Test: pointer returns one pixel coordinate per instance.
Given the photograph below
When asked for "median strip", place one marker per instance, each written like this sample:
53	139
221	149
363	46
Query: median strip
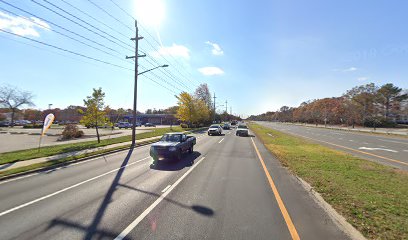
372	197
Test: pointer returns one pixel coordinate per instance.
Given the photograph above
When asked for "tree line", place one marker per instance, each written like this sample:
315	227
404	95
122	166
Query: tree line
366	105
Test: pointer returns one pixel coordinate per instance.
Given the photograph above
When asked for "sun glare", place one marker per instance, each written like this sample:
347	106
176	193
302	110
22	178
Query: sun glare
150	12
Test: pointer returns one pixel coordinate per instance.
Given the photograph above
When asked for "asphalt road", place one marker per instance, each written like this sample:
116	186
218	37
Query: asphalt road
387	150
221	191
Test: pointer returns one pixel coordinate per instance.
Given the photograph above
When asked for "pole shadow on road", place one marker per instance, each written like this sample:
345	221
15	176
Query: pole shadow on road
173	165
196	208
92	231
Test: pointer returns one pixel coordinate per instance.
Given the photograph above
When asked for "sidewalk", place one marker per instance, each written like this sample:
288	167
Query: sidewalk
393	131
9	166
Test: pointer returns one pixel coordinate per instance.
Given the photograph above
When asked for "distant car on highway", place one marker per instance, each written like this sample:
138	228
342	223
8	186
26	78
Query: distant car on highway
149	125
124	125
172	146
226	126
242	130
214	129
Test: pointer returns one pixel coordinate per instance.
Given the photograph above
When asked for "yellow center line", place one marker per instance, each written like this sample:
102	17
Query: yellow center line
355	150
281	205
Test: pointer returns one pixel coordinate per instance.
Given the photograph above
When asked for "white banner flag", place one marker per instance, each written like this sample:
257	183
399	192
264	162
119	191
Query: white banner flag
47	123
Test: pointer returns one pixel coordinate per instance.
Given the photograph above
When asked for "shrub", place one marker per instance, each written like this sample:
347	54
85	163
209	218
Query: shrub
183	125
71	131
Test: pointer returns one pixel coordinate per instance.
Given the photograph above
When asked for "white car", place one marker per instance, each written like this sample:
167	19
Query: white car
214	129
242	130
124	125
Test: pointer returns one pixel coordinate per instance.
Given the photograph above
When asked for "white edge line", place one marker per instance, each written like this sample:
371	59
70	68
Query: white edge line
166	188
70	165
221	140
132	225
66	189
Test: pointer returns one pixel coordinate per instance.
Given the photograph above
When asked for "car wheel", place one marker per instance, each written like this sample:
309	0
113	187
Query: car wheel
209	134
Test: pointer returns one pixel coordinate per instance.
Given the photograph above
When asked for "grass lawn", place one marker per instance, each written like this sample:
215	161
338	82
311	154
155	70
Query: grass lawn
372	197
65	160
21	155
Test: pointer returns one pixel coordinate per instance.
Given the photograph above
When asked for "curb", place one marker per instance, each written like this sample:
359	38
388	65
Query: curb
356	130
338	219
42	169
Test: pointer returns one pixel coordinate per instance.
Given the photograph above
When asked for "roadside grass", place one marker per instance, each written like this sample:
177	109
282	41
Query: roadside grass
61	161
372	197
21	155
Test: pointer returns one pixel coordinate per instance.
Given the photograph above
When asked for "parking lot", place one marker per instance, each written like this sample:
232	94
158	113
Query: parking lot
18	138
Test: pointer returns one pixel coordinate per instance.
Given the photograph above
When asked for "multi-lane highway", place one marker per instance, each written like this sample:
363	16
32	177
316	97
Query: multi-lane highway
388	150
229	188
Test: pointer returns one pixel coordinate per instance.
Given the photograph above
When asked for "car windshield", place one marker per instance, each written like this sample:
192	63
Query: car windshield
242	126
214	126
171	138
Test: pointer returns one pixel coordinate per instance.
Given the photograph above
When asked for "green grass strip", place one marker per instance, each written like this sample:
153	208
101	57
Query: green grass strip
372	197
21	155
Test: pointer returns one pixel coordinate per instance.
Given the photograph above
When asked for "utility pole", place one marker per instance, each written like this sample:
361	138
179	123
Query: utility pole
136	56
214	107
230	110
226	106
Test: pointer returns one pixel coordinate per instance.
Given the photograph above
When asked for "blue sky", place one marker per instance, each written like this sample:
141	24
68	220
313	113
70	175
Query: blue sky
258	55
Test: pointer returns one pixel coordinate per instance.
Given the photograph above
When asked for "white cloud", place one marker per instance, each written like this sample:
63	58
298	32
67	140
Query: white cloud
350	69
362	79
174	50
210	71
22	26
216	50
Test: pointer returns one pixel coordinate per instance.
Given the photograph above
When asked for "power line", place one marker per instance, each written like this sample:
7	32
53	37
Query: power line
90	30
63	34
159	44
167	73
103	10
59	26
66	50
86	23
95	19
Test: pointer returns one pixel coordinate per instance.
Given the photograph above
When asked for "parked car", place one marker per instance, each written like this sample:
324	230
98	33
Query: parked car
4	123
226	126
172	146
214	129
149	125
242	130
124	125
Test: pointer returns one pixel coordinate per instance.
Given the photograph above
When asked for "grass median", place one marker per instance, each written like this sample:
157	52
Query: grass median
21	155
372	197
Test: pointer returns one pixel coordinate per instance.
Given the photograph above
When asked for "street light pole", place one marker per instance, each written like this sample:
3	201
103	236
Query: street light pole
163	66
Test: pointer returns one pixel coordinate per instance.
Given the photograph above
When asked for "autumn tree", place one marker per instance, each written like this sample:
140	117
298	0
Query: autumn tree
203	93
191	109
390	97
14	98
95	113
